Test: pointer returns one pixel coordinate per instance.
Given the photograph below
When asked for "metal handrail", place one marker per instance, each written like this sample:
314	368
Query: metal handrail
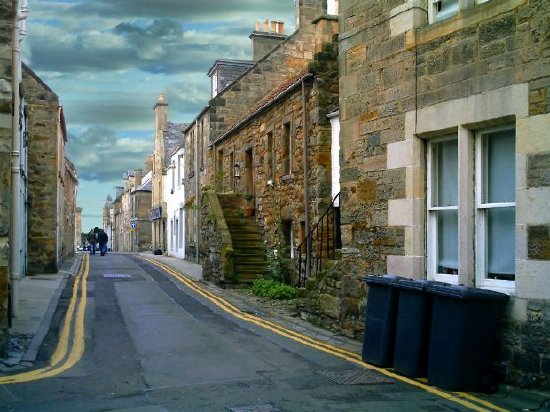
321	243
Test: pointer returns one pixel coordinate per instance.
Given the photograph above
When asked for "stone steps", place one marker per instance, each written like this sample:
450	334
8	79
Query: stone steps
246	237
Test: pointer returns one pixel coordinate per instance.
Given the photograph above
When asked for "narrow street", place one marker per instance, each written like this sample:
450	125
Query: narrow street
153	344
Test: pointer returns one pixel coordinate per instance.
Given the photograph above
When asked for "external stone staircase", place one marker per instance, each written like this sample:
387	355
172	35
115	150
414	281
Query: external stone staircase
248	246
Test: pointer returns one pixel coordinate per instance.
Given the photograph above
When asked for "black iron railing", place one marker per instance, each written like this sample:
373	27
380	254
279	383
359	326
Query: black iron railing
320	244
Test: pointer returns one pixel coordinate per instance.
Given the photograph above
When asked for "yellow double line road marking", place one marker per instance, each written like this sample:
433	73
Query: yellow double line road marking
464	399
70	347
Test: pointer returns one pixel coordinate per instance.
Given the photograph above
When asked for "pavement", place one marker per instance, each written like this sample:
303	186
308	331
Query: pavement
40	295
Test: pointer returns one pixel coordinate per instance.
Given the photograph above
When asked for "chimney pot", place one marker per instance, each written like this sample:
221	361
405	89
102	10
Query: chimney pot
281	27
257	25
273	26
266	26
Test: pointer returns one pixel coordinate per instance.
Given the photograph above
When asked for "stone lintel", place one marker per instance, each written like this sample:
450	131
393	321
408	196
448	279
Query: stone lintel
506	103
407	266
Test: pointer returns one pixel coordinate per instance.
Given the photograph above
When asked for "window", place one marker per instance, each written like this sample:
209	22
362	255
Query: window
173	172
286	149
181	228
495	206
231	165
180	156
442	9
443	209
269	157
219	169
491	201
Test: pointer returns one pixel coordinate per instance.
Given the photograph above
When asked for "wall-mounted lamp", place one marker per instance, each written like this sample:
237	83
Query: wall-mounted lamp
236	170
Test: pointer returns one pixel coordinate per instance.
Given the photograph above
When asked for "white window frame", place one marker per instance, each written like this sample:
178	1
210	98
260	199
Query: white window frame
332	7
433	14
431	243
506	286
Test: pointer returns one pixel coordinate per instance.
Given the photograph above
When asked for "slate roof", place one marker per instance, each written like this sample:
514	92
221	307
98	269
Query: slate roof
172	139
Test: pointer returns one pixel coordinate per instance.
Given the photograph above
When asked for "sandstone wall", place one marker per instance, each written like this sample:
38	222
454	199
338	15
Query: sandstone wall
43	165
402	78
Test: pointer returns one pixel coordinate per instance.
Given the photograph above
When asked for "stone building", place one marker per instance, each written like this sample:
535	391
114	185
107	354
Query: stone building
108	220
118	219
444	154
70	186
131	227
47	139
167	136
280	64
78	228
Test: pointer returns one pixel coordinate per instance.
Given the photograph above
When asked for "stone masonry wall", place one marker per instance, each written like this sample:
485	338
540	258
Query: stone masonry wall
278	195
69	216
5	159
284	62
42	106
376	88
510	47
387	71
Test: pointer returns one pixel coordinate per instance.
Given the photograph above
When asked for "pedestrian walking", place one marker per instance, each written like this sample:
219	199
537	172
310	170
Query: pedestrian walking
102	238
92	240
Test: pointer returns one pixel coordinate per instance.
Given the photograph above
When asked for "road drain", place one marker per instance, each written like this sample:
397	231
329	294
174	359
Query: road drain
355	377
116	275
266	407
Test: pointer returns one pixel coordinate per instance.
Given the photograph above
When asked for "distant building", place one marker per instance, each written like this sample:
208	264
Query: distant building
174	189
168	135
70	189
108	220
78	228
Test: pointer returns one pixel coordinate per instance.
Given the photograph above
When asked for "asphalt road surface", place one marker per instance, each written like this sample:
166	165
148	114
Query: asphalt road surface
154	345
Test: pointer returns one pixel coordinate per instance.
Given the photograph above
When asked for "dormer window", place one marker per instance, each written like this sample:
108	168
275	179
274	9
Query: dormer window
215	84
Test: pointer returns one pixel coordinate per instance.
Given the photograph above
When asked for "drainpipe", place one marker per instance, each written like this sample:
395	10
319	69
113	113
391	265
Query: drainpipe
16	204
306	182
197	194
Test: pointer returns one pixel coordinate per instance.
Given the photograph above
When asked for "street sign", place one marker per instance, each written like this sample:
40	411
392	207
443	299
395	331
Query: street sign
133	224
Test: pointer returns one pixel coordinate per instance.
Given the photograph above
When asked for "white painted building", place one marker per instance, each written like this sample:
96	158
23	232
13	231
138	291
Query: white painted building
175	199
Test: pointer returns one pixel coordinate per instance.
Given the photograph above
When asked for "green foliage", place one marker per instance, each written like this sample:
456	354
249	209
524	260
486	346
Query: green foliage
278	259
269	288
248	196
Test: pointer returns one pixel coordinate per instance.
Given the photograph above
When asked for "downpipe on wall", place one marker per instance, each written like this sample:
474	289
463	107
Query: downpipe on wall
15	203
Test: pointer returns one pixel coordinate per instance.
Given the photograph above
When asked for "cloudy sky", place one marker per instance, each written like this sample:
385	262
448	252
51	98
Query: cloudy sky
108	60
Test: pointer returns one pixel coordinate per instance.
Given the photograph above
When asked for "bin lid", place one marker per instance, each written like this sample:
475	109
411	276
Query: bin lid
466	293
412	284
389	280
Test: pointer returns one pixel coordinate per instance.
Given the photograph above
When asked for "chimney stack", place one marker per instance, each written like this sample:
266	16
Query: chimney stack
265	41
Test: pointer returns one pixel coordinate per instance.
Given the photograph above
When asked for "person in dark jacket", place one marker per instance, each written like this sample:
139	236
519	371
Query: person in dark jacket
102	238
92	240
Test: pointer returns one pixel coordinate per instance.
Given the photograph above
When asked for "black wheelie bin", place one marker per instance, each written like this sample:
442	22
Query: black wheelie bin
412	331
464	337
380	318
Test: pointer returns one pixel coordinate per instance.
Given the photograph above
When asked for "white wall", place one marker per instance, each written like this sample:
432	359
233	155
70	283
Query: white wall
175	199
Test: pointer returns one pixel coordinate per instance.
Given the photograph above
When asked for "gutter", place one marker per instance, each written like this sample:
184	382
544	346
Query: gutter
307	218
16	204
